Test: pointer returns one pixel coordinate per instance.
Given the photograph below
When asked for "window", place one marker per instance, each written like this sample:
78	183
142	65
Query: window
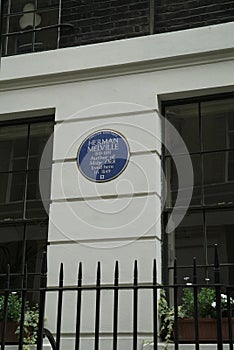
206	125
23	218
30	25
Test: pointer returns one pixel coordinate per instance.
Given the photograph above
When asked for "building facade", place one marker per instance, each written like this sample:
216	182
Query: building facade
72	68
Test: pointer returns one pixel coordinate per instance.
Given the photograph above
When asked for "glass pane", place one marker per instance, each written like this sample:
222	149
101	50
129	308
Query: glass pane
218	178
19	6
11	248
46	39
4	24
187	242
39	135
217	121
13	147
34	205
220	228
230	116
231	166
36	236
33	186
47	3
225	273
4	38
36	245
5	6
11	195
231	139
23	43
48	17
14	24
185	118
172	181
11	46
25	20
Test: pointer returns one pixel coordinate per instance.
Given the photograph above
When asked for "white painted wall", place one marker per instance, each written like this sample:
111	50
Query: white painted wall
115	85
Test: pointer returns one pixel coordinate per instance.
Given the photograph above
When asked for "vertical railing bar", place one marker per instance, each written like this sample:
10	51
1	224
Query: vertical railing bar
229	310
155	305
175	287
26	173
5	310
135	305
195	304
218	299
78	308
151	16
43	282
1	28
59	24
97	317
7	27
33	37
116	305
23	304
59	308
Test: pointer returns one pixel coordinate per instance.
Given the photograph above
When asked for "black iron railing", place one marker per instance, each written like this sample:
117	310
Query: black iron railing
220	291
173	290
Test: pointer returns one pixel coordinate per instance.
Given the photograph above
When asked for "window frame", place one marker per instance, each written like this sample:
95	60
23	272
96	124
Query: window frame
26	170
7	15
24	221
202	208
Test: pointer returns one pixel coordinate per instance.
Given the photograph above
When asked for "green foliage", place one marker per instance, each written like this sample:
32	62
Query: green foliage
167	315
205	300
14	307
31	318
206	308
224	305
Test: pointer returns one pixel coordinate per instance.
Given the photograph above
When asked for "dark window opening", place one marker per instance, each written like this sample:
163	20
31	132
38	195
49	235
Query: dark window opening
206	126
23	214
30	26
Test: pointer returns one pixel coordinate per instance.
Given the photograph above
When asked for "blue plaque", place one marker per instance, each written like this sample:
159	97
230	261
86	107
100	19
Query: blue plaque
103	156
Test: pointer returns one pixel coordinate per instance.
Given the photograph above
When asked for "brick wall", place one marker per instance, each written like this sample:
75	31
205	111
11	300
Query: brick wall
103	20
172	15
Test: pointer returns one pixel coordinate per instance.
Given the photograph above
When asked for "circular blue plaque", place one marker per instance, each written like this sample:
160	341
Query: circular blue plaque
103	156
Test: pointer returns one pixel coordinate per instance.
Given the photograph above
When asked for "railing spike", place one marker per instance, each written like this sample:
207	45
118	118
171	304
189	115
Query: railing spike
194	270
216	265
116	271
98	272
155	272
135	272
61	274
216	256
80	273
175	271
